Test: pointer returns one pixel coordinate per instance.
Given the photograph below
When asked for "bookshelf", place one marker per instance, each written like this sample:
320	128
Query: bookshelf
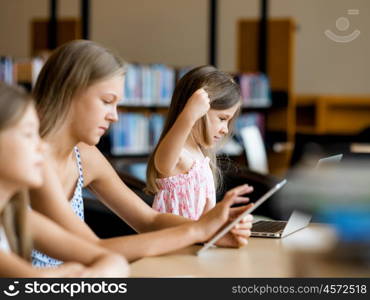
20	71
143	110
68	29
280	118
148	90
332	114
6	69
24	71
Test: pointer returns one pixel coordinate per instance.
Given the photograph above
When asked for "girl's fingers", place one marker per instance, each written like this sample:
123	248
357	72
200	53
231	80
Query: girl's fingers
246	233
241	241
241	189
247	219
229	198
236	211
241	200
232	197
243	226
249	190
243	221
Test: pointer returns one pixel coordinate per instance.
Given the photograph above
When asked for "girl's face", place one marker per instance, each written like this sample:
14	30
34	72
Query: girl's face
218	122
94	109
21	152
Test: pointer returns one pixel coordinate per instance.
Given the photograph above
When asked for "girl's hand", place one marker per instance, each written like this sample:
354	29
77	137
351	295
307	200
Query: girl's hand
238	236
197	105
110	266
234	211
219	216
68	269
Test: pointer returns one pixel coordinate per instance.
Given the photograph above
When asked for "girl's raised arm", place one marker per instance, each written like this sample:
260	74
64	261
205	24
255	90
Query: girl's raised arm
168	152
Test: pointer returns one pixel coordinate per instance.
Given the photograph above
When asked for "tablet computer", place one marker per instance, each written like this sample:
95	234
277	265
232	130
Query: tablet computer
241	216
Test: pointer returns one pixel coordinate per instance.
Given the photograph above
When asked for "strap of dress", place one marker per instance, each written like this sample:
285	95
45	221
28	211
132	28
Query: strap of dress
79	164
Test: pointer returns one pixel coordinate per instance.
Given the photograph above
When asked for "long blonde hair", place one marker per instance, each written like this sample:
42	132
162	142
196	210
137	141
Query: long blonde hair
71	68
224	93
13	104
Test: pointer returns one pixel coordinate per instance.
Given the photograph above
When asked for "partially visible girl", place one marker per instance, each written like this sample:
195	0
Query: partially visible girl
182	171
21	168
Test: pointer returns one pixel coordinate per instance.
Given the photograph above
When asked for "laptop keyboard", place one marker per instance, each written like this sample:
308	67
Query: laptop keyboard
268	226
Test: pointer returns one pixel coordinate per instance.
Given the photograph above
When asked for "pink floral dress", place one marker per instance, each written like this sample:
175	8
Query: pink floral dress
186	194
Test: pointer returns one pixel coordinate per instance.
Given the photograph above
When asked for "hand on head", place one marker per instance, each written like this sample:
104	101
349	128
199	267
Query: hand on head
197	105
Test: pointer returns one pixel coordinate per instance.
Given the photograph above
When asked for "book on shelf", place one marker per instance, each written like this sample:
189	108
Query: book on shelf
135	133
20	71
250	119
148	85
255	90
234	145
138	132
6	69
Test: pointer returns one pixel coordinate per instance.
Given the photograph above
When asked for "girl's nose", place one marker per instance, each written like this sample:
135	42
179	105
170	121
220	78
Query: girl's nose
224	130
43	146
113	115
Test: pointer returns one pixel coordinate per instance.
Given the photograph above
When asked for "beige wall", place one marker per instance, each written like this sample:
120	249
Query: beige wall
175	32
15	16
15	20
169	31
324	66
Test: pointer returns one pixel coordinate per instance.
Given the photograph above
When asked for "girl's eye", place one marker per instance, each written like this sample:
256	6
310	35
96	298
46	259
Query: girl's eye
222	119
106	101
28	134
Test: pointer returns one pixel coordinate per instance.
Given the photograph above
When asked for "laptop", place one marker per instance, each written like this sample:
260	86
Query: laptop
279	229
297	220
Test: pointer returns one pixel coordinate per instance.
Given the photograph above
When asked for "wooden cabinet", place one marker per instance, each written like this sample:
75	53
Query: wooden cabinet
280	65
332	114
68	29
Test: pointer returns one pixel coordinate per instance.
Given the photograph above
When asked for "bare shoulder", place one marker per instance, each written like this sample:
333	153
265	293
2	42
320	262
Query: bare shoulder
88	152
94	163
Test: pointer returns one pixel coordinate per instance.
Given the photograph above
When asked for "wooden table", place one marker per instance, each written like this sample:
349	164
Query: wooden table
262	257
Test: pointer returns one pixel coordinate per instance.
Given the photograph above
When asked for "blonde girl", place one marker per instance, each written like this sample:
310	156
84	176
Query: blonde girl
21	168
